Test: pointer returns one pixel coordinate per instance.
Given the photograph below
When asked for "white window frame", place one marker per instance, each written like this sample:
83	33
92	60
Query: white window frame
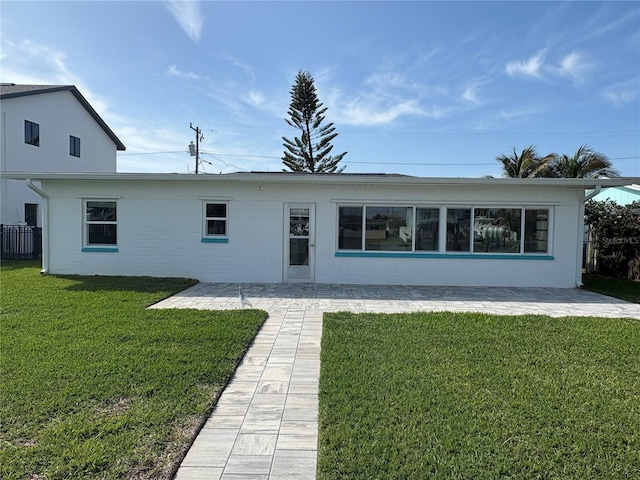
86	223
442	228
205	219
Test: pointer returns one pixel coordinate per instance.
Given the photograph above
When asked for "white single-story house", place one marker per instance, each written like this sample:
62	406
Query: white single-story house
323	228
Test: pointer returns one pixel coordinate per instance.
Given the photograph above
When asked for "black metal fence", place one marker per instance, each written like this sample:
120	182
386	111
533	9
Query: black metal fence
20	242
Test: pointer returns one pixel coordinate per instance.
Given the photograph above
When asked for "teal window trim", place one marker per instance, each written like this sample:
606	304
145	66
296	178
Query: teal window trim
458	256
100	249
214	240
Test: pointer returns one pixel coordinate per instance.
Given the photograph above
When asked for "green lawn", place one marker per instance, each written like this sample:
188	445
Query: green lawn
460	396
94	386
614	287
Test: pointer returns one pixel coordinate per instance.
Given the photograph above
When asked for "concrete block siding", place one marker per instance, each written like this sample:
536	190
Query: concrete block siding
160	231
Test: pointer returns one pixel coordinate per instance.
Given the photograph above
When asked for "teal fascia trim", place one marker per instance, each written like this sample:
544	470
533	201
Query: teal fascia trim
491	256
100	249
214	240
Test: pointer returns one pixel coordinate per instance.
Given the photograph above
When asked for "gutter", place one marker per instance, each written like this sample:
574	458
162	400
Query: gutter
579	253
45	225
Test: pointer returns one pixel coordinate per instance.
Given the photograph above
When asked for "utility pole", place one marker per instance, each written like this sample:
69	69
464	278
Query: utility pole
198	138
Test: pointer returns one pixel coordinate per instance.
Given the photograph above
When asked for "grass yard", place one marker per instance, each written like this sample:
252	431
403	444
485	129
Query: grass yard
460	396
614	287
93	385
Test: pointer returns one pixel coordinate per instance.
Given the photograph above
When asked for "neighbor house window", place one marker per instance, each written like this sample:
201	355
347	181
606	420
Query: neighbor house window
31	214
74	146
101	225
215	219
31	133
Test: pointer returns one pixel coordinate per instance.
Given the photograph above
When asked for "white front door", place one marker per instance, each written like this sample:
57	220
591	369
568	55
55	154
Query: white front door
299	244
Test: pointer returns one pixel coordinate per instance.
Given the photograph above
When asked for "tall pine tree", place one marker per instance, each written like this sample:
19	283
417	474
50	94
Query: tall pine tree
309	152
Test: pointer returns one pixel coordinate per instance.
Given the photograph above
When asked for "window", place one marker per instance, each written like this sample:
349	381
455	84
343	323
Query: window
427	228
350	228
100	222
458	229
74	146
536	225
423	231
389	228
31	133
31	214
215	219
496	230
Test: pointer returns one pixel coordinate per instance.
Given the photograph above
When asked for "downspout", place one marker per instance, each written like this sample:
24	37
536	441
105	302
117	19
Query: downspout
45	226
581	234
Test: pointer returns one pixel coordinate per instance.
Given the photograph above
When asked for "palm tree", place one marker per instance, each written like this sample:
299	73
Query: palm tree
526	165
585	163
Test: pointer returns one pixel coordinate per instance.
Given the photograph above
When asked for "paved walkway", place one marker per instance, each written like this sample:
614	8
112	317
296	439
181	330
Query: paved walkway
265	425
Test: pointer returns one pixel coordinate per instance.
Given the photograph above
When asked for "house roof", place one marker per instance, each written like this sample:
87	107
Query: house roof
11	90
330	179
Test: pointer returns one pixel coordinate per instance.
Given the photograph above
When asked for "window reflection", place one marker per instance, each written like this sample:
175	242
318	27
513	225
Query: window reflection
389	228
458	229
496	230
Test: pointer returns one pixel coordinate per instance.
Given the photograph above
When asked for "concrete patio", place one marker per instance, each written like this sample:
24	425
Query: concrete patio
265	425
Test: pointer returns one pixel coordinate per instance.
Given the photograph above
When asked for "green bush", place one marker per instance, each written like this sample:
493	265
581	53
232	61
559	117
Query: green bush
615	233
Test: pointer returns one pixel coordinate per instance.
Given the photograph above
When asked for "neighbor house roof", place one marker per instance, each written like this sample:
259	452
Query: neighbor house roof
329	178
11	90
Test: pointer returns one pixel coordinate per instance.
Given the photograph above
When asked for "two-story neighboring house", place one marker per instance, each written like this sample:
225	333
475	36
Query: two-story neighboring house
48	128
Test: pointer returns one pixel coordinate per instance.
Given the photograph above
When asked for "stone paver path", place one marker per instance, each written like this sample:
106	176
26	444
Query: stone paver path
265	425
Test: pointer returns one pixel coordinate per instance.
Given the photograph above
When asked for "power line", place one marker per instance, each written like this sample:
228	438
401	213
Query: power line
346	160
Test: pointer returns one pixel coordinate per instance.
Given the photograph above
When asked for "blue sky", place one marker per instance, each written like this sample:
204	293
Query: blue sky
420	88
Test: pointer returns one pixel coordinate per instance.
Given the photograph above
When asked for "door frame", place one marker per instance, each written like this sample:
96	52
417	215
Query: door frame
294	274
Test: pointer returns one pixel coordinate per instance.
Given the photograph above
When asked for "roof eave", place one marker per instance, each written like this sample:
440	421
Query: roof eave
297	178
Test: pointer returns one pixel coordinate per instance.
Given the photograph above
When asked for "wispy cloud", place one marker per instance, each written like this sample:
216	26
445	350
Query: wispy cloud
243	67
531	67
188	15
28	62
173	71
622	93
363	112
573	65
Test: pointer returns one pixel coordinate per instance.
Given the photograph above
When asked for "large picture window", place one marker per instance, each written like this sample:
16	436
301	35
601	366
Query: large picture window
101	223
438	230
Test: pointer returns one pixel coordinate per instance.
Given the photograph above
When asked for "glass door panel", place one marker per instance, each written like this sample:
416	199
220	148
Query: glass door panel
299	237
